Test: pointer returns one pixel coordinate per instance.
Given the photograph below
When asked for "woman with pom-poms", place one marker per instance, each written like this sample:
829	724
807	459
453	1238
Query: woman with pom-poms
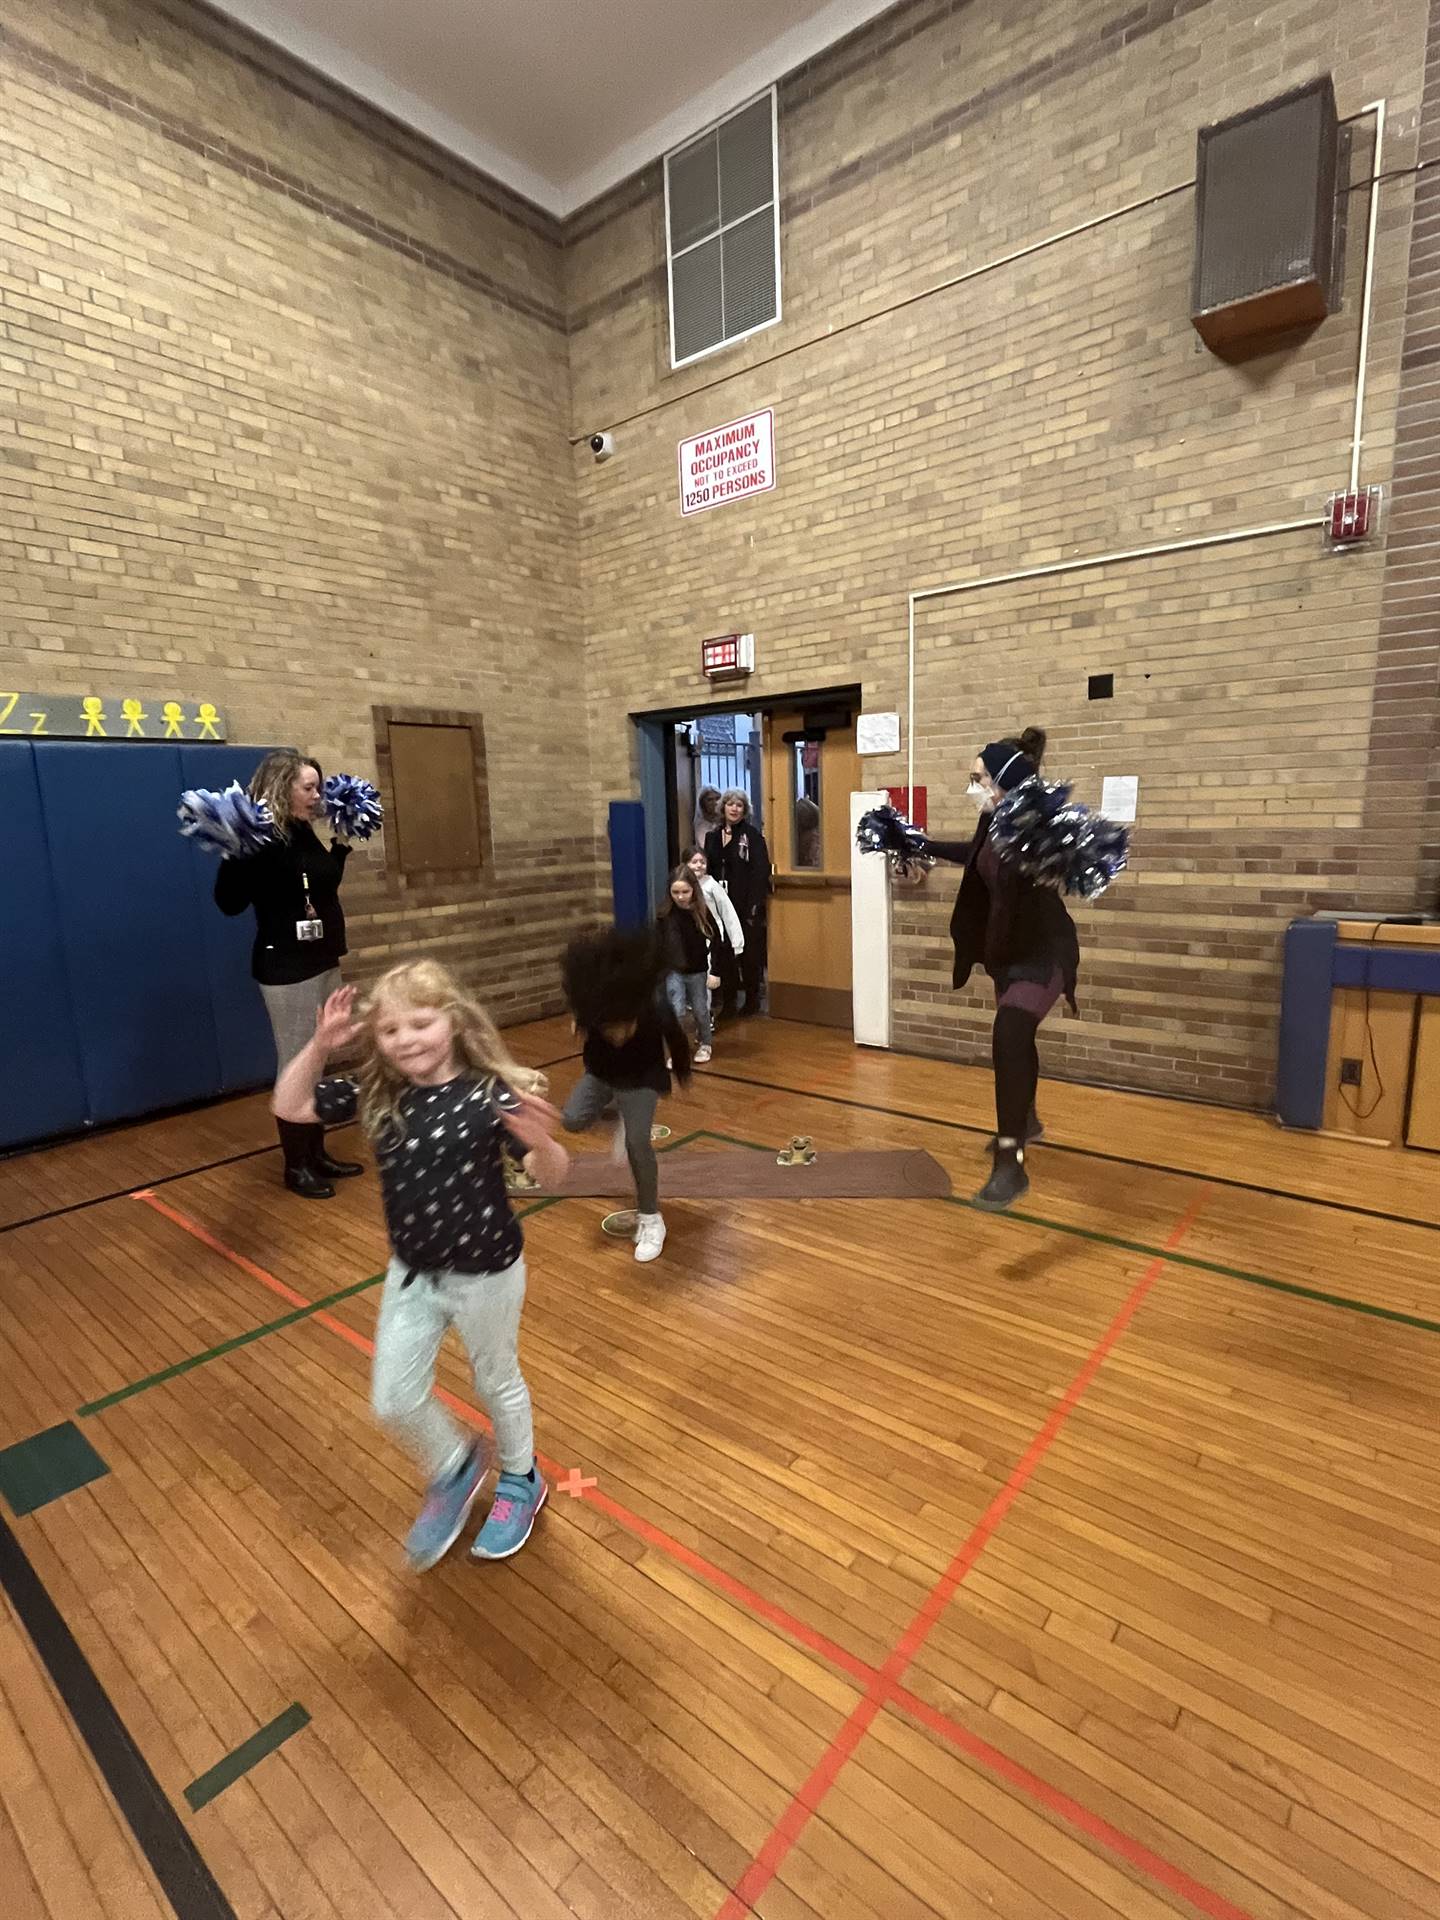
1021	933
293	883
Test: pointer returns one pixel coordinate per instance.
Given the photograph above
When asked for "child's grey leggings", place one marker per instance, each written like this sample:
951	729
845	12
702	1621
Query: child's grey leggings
636	1106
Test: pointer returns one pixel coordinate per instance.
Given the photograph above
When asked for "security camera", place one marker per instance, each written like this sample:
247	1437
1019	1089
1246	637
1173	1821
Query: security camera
602	445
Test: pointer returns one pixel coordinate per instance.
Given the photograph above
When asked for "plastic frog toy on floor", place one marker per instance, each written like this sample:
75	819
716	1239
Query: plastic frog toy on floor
799	1153
517	1180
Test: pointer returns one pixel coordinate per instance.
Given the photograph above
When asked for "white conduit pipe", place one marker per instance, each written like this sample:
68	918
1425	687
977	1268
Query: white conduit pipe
1377	107
1090	561
1082	565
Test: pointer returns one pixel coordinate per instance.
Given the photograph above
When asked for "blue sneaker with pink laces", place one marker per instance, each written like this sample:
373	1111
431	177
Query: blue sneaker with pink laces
518	1498
446	1509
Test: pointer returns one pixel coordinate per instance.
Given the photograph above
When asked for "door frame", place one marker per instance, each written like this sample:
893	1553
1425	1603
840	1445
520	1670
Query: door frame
654	732
657	785
805	891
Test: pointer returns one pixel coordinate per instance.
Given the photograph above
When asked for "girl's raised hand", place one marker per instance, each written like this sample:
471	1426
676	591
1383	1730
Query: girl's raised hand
335	1024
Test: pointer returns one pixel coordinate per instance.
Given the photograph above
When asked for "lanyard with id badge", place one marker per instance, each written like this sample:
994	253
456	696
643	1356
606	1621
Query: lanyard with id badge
311	927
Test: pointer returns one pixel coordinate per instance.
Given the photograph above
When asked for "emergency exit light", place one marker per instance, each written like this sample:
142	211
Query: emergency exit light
729	657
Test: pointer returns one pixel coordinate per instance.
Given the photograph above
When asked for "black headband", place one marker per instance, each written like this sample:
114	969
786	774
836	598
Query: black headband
1006	765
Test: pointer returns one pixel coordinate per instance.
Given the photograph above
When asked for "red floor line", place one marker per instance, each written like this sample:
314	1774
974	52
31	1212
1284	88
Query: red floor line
792	1823
726	1583
646	1530
206	1238
1073	1812
943	1591
882	1688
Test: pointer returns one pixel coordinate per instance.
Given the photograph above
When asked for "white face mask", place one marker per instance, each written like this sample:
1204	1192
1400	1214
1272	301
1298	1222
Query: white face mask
978	796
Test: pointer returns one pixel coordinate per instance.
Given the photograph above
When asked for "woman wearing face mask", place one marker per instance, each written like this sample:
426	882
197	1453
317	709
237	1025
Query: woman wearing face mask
1025	939
293	883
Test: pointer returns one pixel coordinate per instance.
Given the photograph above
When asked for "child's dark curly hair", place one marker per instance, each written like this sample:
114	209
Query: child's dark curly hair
610	978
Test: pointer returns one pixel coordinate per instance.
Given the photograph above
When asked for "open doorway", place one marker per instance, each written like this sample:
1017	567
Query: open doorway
795	761
714	754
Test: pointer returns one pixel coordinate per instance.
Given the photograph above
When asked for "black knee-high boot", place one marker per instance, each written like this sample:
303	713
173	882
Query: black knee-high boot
327	1168
297	1144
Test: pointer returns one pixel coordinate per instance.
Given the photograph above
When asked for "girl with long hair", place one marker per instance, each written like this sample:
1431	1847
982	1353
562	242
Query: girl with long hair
687	935
293	884
1022	935
728	941
612	982
442	1102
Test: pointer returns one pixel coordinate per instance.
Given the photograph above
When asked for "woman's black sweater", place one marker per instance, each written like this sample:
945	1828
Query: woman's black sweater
275	882
1004	922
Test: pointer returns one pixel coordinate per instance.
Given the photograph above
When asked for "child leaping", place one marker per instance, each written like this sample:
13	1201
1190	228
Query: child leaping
441	1100
613	982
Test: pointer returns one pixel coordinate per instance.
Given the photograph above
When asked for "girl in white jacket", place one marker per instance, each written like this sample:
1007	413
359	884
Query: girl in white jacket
730	941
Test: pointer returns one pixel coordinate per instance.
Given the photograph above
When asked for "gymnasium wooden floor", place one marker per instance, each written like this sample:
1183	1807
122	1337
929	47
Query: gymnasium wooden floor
904	1562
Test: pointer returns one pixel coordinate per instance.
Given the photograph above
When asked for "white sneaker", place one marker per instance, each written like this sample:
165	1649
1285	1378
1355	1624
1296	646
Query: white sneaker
702	1056
649	1237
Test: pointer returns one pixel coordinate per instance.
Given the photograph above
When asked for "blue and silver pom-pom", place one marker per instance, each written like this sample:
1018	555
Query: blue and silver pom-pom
1057	842
352	807
229	823
883	830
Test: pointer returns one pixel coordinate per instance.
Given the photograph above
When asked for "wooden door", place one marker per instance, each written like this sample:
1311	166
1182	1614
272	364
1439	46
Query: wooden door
808	783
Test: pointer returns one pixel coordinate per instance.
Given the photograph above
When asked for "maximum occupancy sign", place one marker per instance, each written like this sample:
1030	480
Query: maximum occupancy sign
728	463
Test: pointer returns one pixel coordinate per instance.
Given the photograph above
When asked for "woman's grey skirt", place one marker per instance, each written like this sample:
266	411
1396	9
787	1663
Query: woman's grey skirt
292	1010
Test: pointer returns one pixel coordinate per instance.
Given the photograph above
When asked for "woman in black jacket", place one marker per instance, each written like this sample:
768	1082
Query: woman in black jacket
293	883
739	859
1024	938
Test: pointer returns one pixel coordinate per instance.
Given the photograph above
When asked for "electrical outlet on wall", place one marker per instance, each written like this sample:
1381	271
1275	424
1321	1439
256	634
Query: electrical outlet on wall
1350	1071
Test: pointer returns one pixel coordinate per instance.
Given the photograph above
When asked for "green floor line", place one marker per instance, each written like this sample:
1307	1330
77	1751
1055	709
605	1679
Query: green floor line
1086	1153
227	1771
1198	1265
257	1333
225	1346
1242	1274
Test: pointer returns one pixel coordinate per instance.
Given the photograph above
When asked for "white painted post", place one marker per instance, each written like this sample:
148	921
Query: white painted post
869	932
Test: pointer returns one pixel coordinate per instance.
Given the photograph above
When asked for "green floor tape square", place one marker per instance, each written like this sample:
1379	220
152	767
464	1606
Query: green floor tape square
46	1466
235	1765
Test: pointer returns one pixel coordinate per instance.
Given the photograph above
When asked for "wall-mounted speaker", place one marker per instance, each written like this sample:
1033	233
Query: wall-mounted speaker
1265	218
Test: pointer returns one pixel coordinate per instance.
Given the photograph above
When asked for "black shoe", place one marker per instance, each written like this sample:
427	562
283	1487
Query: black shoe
335	1169
308	1184
1007	1183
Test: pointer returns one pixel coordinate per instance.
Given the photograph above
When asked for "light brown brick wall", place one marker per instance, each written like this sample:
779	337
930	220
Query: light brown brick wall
283	400
1057	406
285	397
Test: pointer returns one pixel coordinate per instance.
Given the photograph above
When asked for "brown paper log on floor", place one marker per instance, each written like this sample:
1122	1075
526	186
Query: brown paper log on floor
745	1174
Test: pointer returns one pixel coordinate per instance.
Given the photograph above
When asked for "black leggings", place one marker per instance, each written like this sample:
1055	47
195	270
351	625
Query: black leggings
1022	1005
752	964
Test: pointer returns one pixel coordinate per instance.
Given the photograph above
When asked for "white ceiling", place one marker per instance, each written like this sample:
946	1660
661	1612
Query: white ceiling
559	99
